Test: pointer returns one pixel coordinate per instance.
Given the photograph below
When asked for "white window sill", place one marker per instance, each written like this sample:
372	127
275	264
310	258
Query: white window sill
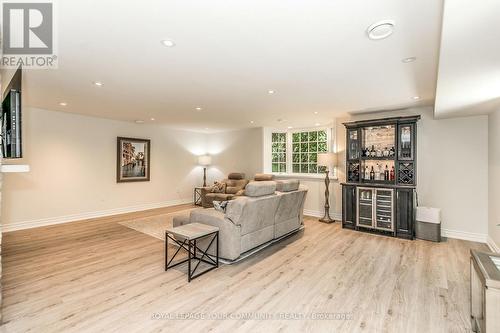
303	176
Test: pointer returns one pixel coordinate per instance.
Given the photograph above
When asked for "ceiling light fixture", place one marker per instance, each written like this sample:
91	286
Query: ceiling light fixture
251	121
98	83
198	108
168	43
63	104
380	30
416	97
317	124
290	127
270	92
315	112
152	119
410	59
139	121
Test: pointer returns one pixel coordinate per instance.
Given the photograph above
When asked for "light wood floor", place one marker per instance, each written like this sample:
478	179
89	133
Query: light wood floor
99	276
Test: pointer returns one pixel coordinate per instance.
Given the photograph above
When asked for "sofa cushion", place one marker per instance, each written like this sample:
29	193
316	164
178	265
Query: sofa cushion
258	189
234	186
236	175
232	189
262	177
287	185
219	196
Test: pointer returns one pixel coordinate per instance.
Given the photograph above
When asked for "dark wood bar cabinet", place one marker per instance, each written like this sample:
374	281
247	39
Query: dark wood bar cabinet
381	176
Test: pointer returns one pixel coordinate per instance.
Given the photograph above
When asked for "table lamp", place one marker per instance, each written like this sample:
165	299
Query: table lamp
204	161
328	160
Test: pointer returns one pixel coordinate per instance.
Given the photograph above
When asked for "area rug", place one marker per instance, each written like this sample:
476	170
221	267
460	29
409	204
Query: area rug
155	225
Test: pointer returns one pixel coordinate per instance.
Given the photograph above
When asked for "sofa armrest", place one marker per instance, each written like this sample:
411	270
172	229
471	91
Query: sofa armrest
205	190
229	234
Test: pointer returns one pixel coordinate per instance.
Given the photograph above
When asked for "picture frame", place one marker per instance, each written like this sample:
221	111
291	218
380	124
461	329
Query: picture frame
133	160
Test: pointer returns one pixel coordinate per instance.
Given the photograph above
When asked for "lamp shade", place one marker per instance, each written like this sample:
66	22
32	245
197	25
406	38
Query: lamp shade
327	159
205	160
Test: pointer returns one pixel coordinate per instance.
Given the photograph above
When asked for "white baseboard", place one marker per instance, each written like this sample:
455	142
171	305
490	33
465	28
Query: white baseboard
317	213
464	235
6	227
492	245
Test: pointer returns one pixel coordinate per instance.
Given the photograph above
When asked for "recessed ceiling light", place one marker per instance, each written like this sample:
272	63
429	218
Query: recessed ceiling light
98	83
63	104
251	121
198	109
315	112
152	119
168	43
380	30
270	92
290	127
410	59
416	97
317	124
139	121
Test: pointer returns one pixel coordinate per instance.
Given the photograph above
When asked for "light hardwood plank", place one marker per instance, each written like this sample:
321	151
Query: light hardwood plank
99	276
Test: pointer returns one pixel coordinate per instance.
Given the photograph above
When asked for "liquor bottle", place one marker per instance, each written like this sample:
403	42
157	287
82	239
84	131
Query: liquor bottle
380	172
372	174
392	151
367	173
392	174
373	153
386	173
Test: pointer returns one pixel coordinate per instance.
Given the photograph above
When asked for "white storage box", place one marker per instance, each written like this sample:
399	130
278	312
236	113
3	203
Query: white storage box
428	224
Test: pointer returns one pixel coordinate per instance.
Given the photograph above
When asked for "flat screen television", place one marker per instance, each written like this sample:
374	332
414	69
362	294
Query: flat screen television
11	125
10	118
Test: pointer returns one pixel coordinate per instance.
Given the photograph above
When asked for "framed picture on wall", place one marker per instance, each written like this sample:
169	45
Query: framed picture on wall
133	156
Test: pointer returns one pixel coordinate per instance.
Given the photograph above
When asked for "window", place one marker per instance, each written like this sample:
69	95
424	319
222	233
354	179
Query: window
279	152
296	151
305	148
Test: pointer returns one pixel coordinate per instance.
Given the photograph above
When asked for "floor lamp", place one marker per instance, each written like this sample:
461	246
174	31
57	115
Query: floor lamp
328	160
204	161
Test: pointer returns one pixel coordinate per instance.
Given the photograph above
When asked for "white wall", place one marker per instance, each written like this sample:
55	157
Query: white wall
235	151
73	161
494	180
452	163
73	167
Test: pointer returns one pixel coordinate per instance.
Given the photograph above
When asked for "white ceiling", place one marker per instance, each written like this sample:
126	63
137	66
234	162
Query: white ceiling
469	65
228	54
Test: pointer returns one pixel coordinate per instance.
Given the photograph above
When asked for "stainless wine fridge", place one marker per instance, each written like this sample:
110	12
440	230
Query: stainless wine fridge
375	208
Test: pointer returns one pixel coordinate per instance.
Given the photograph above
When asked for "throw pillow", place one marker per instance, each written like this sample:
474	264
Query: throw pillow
220	206
218	187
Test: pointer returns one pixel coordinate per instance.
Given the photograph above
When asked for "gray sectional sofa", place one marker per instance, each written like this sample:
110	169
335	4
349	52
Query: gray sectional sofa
267	211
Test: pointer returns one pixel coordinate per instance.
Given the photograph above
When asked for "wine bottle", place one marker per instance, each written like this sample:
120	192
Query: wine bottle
386	173
392	174
372	174
380	172
367	173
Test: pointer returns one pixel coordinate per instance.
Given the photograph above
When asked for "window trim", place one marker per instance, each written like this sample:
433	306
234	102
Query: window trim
267	151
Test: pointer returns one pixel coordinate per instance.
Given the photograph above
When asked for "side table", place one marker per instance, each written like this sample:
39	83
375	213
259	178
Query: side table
187	235
197	196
